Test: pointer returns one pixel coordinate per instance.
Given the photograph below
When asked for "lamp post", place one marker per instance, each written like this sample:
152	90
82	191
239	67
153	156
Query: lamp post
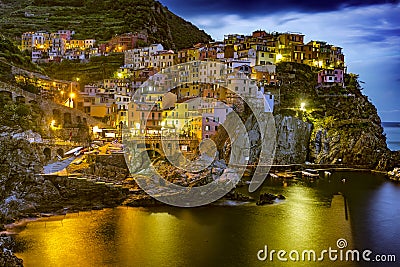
72	95
303	106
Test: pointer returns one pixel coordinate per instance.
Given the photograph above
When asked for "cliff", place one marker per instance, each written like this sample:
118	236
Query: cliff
339	125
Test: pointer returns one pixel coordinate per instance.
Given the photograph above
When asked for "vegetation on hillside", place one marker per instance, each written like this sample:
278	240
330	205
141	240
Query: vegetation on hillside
11	55
17	115
98	68
100	20
299	85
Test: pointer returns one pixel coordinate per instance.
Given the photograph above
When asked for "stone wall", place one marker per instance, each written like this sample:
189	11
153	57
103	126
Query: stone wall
66	115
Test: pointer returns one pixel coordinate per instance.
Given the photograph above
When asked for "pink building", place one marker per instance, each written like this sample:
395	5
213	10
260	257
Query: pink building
331	77
210	126
66	34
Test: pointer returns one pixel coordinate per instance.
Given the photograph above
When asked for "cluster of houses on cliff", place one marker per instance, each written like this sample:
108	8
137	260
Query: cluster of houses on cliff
248	61
60	45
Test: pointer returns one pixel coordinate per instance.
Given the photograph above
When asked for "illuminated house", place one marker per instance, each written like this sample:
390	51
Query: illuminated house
163	59
187	55
330	77
140	58
264	75
123	42
213	115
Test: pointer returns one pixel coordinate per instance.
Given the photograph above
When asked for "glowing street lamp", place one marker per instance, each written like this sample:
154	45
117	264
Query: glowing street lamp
71	101
303	106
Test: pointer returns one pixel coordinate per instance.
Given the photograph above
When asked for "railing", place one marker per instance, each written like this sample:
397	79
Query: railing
163	138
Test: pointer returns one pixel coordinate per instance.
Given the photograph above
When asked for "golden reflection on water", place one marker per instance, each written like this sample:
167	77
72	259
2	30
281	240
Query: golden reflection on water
168	236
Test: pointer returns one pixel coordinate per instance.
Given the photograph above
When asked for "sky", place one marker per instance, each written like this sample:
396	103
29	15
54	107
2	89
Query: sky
367	30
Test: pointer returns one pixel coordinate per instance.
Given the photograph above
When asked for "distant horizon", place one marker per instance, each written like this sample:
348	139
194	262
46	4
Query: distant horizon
388	122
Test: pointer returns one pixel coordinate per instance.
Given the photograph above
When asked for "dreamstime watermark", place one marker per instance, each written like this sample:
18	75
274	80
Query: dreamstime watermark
338	253
213	92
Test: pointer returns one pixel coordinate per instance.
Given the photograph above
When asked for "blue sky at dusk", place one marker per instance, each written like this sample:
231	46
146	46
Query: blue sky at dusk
368	31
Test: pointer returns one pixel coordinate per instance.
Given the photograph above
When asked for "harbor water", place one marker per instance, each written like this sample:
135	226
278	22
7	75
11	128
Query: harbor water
361	209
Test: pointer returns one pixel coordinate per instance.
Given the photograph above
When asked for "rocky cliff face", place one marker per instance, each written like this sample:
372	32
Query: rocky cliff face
19	186
350	133
293	137
7	257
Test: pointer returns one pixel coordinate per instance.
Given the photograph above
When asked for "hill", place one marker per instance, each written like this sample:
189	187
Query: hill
10	56
100	20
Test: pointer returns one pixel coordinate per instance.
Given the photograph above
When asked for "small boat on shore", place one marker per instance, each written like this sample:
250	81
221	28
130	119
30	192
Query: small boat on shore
285	175
273	175
394	175
327	174
310	173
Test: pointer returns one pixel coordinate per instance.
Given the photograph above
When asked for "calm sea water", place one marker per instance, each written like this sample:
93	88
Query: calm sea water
392	130
313	217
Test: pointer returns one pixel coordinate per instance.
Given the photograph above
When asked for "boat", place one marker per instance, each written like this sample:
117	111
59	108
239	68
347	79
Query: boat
285	175
310	173
327	174
73	151
394	175
273	175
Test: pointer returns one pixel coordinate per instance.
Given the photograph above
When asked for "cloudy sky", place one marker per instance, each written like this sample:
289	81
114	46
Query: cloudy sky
368	31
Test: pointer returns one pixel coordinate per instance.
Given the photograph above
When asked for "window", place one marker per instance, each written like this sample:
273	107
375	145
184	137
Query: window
207	128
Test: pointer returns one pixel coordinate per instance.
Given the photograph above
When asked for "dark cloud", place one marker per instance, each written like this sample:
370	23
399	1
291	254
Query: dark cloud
284	21
378	35
262	7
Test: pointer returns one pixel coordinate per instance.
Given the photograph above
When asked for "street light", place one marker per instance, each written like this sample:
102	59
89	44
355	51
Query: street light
303	106
71	97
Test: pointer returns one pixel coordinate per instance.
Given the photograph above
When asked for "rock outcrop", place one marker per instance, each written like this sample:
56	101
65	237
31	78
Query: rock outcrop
7	257
25	193
293	137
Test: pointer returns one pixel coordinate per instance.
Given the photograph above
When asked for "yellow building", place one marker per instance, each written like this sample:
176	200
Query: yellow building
183	119
187	90
187	55
163	59
71	44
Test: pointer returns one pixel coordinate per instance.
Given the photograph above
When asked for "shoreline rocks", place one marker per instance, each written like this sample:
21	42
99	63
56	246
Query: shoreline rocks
268	198
7	257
